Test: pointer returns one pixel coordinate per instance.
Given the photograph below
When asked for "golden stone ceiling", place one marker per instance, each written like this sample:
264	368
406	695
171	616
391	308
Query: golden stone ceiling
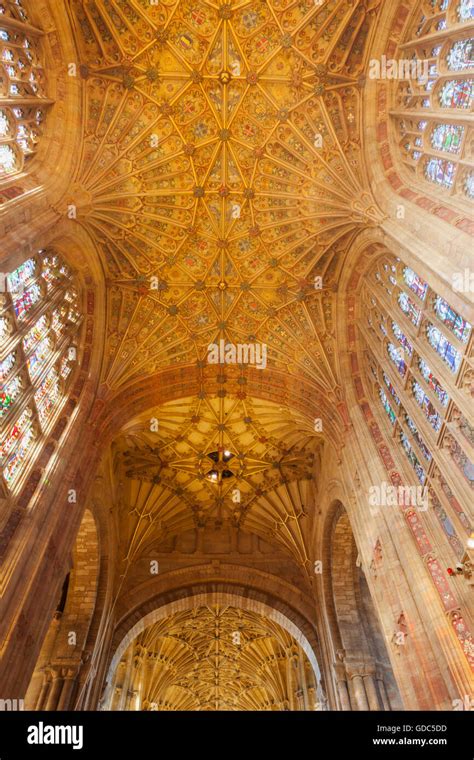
166	486
193	660
221	173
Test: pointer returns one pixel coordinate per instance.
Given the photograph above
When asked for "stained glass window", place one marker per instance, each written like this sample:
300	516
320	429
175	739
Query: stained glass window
6	366
25	301
4	329
415	283
401	337
390	387
456	93
414	431
387	407
444	348
412	458
18	455
9	393
36	334
38	358
453	321
396	356
433	382
66	367
460	56
5	126
47	395
436	39
21	276
428	409
409	308
8	160
440	171
447	138
23	81
16	444
466	10
40	308
427	424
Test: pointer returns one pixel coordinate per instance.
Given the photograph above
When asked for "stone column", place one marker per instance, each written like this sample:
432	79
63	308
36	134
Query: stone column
69	682
43	695
359	691
55	689
342	689
371	690
382	690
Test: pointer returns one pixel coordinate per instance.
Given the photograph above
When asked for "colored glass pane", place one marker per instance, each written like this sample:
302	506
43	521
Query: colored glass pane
409	308
65	368
414	431
401	337
444	348
15	432
39	358
47	396
15	460
391	389
7	160
466	10
456	93
4	329
36	334
447	138
433	382
6	366
396	356
21	276
8	394
453	321
415	283
387	407
425	404
440	171
412	458
460	56
4	124
24	302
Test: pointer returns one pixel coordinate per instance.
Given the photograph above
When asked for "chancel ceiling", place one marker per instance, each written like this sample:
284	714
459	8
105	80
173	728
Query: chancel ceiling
221	174
215	658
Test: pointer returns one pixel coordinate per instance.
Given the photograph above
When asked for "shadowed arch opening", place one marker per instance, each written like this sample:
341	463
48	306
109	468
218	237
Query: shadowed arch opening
62	655
362	668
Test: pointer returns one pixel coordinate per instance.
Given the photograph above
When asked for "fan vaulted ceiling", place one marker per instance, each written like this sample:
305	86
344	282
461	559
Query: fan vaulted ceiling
221	173
262	460
216	658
